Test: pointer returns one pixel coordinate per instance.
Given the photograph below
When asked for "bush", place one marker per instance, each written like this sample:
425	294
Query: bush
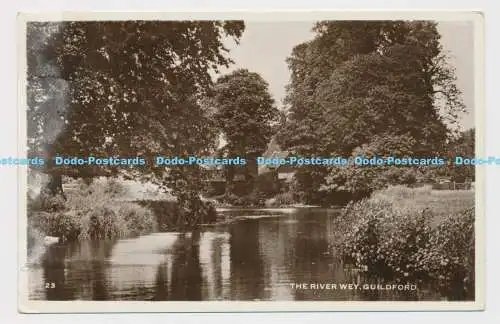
166	213
229	198
392	237
98	211
254	199
102	223
383	240
170	216
112	222
284	199
99	192
453	261
46	202
91	212
60	224
140	220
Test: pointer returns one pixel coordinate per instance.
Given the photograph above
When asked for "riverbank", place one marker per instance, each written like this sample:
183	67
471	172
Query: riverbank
101	210
280	200
114	209
413	236
108	209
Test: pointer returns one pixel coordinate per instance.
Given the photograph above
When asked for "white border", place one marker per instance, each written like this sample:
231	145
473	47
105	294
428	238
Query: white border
29	306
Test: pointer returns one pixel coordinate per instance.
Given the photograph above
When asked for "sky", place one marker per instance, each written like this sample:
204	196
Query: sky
265	46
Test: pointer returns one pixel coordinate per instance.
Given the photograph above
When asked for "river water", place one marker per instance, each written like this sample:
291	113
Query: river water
260	256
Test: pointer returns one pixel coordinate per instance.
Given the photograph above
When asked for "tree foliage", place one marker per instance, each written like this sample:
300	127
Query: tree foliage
245	111
366	179
123	78
357	80
124	88
245	114
462	146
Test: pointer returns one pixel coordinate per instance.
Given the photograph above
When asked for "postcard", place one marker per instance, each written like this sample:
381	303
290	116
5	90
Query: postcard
238	161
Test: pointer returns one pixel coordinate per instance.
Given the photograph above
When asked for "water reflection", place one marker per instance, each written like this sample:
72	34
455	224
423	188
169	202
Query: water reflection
256	258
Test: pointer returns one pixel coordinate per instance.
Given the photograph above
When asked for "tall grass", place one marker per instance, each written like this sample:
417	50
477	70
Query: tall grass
93	212
109	222
414	236
281	200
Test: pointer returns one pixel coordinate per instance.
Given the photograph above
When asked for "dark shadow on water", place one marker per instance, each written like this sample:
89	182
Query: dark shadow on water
186	272
76	270
246	263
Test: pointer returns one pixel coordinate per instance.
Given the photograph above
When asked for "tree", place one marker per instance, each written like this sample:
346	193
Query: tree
313	62
245	114
376	94
462	146
362	180
124	88
358	80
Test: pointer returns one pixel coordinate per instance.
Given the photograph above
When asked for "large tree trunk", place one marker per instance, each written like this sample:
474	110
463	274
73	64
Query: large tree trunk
54	185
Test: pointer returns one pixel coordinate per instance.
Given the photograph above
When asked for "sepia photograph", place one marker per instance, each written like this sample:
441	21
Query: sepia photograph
253	162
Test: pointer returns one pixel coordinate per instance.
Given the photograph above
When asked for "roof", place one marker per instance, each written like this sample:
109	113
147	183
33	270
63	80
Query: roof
273	151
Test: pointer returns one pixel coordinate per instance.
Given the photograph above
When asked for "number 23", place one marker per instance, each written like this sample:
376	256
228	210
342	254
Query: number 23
50	285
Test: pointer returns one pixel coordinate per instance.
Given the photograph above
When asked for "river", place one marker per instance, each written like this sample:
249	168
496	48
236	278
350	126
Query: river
262	255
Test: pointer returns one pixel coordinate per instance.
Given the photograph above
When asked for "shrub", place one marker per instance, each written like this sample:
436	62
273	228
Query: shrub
140	220
116	221
98	211
60	224
99	192
251	200
453	261
383	240
165	213
102	223
91	212
390	235
170	216
228	198
46	202
283	199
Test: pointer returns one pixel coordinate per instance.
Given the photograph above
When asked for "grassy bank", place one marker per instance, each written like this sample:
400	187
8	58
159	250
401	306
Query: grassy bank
413	236
93	211
107	209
